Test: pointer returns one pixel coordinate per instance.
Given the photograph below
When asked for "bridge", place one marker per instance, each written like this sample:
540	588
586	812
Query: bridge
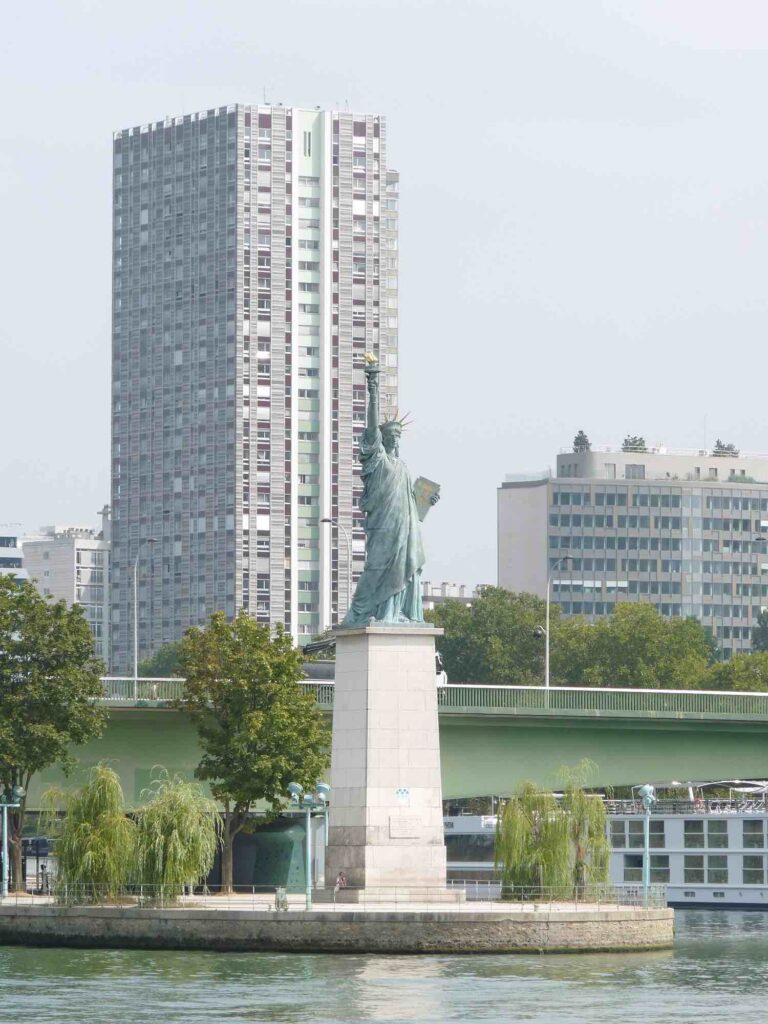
491	737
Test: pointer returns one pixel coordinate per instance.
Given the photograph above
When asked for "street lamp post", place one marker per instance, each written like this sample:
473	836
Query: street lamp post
648	796
565	558
11	798
309	802
147	540
335	522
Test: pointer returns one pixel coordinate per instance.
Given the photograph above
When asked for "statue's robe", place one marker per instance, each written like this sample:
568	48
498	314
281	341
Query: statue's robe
389	589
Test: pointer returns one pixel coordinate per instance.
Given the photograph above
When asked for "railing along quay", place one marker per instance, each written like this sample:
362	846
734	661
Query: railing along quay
270	898
469	699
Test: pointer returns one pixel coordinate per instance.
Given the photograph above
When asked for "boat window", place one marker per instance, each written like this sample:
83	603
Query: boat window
659	867
693	834
618	834
630	834
633	867
753	868
693	868
717	834
717	870
754	834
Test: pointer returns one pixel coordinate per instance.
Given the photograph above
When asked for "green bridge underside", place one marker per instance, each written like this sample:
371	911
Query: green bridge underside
491	738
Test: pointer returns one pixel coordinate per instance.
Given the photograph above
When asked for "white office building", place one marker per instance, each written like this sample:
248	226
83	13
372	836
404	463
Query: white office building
71	563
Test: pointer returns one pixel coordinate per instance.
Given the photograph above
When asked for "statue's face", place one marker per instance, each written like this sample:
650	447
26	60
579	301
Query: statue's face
391	439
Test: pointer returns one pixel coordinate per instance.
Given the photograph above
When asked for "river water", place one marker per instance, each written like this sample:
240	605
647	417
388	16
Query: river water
717	972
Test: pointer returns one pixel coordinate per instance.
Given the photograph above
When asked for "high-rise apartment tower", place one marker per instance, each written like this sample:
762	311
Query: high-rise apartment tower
255	262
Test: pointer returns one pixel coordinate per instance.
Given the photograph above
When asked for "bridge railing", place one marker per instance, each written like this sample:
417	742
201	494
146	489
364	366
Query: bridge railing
465	698
596	700
127	690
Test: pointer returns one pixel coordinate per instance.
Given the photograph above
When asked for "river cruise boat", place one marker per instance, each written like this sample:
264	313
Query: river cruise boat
709	853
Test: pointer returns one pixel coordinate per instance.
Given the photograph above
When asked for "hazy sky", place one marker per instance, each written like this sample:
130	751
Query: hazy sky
583	221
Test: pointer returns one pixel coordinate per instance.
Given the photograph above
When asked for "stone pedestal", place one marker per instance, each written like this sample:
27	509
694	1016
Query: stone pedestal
386	814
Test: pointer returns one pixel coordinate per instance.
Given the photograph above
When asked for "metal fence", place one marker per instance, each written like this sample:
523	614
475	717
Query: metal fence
127	690
603	895
461	698
459	895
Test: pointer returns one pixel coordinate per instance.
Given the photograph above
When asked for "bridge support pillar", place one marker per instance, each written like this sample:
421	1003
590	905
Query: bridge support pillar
386	814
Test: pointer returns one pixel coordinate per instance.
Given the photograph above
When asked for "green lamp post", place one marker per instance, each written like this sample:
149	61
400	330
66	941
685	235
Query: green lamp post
648	796
307	803
10	798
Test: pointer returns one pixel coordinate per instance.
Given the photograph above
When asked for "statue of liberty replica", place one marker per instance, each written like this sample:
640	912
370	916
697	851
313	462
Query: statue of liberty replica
389	589
386	814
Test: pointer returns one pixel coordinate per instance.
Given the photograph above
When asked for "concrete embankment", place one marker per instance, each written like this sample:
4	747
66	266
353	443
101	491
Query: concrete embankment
468	930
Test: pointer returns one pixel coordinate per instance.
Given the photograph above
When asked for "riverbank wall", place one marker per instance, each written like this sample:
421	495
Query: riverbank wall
497	930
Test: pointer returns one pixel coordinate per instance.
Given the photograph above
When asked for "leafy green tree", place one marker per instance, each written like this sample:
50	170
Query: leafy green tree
633	443
741	672
258	730
493	640
760	632
163	663
532	841
179	832
95	839
49	682
635	646
581	442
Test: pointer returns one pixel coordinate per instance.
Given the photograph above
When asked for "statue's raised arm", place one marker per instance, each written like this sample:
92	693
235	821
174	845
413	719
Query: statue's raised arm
372	381
389	589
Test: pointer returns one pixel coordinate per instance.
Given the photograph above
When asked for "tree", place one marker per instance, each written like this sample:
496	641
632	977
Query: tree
760	632
635	646
95	839
741	672
258	730
723	448
493	640
542	842
581	442
49	689
179	832
587	829
532	844
633	443
163	663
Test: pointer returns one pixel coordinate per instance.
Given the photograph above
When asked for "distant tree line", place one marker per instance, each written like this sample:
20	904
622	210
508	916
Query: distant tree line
494	640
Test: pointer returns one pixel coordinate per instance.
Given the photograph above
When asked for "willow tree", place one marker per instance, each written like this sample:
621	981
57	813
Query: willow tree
179	832
95	839
532	841
585	814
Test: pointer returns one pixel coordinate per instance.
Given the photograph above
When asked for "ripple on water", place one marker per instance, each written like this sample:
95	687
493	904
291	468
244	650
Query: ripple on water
717	972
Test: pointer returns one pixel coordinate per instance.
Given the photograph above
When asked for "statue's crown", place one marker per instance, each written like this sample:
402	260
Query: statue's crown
402	422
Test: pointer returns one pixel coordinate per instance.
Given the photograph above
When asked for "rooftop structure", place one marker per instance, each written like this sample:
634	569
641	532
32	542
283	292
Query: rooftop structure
685	531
